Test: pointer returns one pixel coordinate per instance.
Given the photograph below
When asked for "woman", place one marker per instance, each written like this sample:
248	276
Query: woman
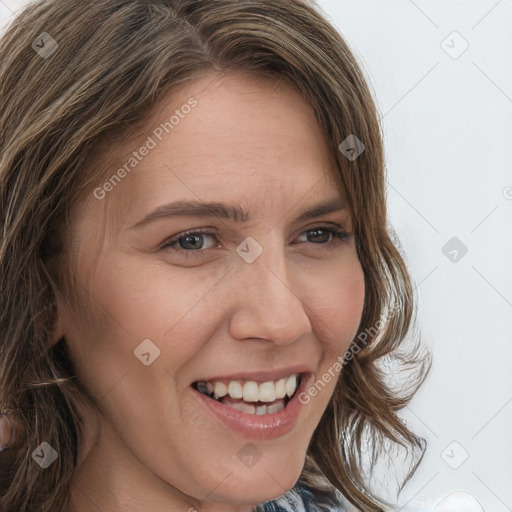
198	284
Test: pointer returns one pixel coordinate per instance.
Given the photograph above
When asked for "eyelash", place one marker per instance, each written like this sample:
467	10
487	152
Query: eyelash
340	236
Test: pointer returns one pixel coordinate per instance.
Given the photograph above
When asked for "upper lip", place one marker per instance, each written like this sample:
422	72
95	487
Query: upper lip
259	375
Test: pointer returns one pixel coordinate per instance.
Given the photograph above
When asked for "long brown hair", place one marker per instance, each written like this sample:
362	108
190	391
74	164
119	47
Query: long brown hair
114	60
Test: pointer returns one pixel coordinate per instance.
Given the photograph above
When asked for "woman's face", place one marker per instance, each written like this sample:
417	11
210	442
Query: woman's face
246	302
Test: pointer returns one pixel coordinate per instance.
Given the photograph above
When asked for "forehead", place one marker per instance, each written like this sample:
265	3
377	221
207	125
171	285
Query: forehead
251	138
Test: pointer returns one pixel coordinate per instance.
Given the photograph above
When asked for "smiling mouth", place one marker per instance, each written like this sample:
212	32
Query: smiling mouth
252	397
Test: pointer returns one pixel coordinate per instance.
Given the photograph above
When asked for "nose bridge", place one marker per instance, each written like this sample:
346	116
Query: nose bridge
267	305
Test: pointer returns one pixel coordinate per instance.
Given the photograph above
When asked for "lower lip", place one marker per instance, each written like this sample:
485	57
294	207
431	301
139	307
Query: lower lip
265	426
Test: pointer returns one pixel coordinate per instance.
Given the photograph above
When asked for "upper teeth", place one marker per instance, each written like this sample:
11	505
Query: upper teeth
251	391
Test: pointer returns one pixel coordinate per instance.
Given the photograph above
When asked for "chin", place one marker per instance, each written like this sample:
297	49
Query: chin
262	482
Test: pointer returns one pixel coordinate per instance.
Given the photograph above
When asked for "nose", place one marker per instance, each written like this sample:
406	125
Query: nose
267	303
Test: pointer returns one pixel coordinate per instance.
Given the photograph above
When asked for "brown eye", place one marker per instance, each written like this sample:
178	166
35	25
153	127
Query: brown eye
328	236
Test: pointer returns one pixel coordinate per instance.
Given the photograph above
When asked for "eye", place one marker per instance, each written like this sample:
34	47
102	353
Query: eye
191	243
334	236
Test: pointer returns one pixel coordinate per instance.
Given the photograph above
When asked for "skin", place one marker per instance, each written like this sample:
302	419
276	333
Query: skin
151	444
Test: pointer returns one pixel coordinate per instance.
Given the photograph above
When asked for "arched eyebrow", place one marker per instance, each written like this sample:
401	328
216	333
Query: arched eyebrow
229	211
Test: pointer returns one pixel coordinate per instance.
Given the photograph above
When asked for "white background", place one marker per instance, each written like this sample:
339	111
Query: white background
447	123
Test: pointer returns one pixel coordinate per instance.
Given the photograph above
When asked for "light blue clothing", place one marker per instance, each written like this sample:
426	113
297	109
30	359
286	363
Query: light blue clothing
302	499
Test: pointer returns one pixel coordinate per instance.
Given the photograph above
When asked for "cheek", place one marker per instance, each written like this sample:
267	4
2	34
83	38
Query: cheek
141	302
338	306
340	302
129	304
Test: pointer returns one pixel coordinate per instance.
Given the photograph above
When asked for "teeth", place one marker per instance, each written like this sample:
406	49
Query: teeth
202	387
220	389
261	409
291	385
267	392
243	407
258	410
281	388
251	391
279	406
235	389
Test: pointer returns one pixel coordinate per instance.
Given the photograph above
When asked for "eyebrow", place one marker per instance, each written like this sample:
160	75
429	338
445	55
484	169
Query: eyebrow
232	212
